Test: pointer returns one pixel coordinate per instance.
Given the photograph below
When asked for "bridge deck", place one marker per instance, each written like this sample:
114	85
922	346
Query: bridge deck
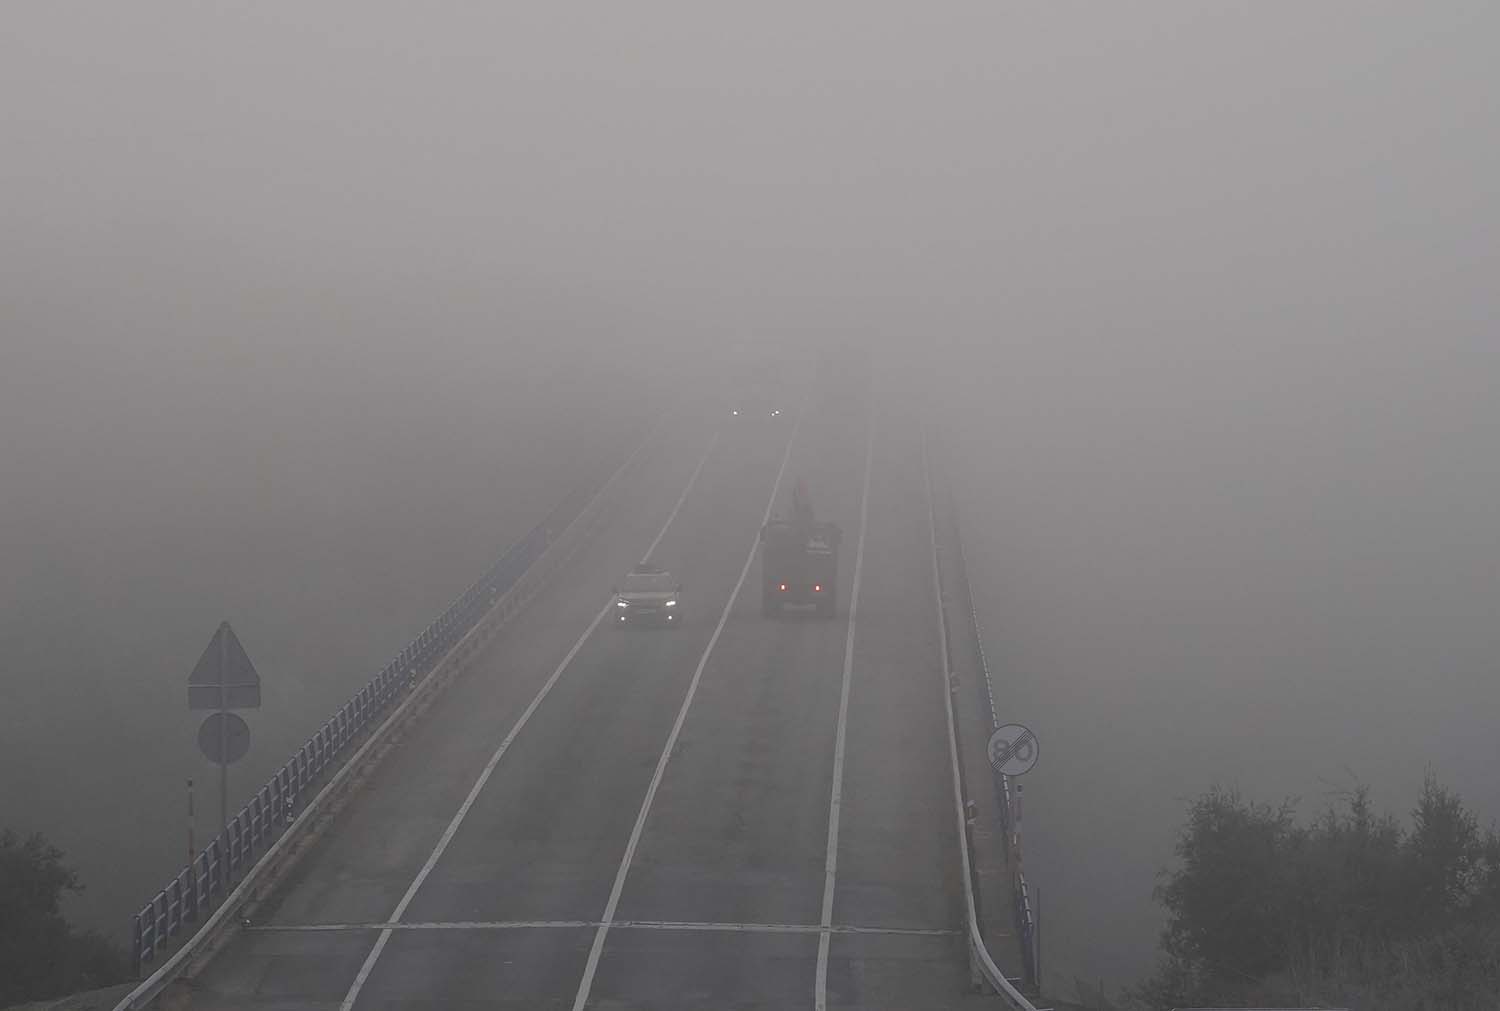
503	892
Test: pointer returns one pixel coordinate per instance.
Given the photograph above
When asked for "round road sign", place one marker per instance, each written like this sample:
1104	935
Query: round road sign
224	738
1013	749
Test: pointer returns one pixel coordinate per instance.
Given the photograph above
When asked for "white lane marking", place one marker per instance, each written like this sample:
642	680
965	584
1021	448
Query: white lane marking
151	987
681	499
679	925
592	965
484	776
836	797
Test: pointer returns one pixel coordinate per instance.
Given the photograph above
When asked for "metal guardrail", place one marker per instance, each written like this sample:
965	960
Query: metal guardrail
1025	911
981	962
201	890
198	888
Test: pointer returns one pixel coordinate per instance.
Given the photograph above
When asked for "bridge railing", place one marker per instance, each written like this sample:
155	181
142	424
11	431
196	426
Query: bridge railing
982	963
1025	910
195	892
197	888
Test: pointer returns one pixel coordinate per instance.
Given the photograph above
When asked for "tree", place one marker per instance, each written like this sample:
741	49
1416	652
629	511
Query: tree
40	955
1227	901
1445	856
1349	909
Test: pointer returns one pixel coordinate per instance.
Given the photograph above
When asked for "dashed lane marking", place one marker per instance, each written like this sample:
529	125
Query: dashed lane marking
597	949
484	776
836	795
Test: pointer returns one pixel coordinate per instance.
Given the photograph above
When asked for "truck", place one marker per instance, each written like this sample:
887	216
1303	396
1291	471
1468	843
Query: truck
799	560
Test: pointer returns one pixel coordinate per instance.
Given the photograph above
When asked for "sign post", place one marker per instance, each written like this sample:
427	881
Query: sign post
1013	751
224	679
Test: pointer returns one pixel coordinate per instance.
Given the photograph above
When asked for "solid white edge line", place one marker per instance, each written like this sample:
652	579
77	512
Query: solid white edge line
681	499
453	826
385	935
990	970
149	988
592	966
836	795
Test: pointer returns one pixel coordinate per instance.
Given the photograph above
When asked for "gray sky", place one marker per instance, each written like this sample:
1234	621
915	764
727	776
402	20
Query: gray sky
1208	290
759	167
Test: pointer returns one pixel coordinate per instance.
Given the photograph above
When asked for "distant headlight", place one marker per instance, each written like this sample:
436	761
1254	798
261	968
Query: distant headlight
670	603
621	603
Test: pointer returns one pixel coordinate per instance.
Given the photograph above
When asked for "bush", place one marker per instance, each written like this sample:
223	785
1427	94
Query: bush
1351	908
40	955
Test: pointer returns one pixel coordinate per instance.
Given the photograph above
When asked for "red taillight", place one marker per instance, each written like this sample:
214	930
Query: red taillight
817	587
783	587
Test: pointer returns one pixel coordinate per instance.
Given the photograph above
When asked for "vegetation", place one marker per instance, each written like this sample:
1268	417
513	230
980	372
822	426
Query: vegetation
41	956
1352	910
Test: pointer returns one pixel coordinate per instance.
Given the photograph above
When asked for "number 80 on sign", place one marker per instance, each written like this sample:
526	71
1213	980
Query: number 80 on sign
1013	750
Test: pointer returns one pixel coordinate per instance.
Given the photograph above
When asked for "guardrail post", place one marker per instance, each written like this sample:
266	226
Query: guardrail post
159	926
1036	940
135	945
207	856
200	883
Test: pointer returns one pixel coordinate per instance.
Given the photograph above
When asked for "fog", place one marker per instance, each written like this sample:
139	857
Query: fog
306	312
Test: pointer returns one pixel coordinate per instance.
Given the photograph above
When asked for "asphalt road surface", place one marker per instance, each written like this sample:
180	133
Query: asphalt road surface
618	817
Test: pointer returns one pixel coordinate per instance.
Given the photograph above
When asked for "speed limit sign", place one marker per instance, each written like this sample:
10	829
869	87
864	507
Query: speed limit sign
1013	750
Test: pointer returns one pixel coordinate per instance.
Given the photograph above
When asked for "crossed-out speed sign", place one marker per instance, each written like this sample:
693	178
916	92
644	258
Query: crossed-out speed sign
1013	750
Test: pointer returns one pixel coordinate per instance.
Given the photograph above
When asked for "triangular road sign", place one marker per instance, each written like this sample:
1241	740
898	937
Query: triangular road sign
224	677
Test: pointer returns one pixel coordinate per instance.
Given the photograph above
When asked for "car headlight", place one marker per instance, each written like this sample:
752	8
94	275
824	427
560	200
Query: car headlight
621	603
670	603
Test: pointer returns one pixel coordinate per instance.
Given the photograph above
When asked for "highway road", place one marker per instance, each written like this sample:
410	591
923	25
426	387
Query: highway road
734	813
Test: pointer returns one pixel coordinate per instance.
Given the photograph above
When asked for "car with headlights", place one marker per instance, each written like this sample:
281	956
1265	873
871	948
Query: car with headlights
756	405
650	595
